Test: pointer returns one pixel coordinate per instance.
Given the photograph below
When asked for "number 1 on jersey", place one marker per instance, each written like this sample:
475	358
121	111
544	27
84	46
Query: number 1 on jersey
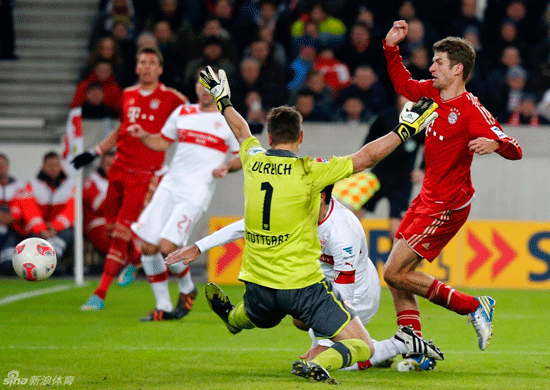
266	215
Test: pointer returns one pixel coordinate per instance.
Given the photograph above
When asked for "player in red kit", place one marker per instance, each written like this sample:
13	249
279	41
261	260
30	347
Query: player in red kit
464	127
132	176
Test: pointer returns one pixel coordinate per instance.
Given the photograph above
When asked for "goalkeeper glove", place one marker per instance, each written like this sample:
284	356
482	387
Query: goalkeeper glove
217	87
414	118
85	158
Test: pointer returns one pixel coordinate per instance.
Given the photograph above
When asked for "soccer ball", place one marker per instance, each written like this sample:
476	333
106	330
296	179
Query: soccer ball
34	259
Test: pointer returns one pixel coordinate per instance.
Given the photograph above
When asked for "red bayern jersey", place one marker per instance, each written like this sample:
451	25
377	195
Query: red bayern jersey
150	112
447	182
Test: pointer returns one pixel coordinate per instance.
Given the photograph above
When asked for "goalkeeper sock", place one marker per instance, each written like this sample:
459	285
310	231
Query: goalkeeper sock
343	354
238	318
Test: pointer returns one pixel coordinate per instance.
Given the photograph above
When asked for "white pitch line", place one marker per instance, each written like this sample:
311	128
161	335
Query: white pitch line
229	349
36	293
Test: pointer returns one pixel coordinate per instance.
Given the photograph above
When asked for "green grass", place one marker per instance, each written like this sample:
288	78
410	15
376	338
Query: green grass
48	336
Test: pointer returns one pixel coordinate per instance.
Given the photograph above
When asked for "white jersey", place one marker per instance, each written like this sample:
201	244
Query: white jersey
203	140
344	259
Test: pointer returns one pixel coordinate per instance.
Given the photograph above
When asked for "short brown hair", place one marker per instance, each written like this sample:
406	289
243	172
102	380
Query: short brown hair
459	51
284	125
151	50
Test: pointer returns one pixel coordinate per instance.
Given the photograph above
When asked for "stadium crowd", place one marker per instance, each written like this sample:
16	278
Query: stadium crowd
325	57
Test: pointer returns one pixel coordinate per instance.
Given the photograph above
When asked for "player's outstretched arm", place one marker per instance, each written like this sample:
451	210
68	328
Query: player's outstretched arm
218	87
152	141
221	237
412	120
89	156
233	165
397	33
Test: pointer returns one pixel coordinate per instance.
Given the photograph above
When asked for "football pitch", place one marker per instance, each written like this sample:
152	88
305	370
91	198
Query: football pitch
48	340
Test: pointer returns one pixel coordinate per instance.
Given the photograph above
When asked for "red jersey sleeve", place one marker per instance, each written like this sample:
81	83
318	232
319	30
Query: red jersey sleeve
483	124
401	77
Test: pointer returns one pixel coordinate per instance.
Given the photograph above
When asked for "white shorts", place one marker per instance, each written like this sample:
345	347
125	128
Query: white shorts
168	217
367	303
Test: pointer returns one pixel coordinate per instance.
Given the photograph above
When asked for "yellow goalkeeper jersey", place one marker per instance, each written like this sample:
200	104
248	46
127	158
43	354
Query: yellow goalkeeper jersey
282	197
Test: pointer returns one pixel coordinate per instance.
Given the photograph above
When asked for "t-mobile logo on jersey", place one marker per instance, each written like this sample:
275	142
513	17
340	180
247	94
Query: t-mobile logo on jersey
133	114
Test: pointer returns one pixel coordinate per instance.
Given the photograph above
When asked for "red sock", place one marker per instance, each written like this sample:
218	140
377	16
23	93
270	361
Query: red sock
364	365
443	295
410	318
116	258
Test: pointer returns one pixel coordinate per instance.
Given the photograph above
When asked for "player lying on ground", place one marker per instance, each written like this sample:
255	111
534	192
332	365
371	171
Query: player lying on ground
280	265
344	262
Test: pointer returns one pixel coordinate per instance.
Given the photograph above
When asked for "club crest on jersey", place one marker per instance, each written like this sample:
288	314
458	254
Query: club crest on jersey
155	103
322	159
453	116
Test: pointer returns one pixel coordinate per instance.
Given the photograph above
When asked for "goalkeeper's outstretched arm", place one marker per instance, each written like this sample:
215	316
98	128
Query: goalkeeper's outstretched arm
218	87
412	120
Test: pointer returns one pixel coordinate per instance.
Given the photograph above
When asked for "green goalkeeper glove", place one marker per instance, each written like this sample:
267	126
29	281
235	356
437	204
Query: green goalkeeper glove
414	118
217	87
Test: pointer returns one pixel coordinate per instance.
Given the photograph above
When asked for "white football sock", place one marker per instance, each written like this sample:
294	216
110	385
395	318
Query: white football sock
154	265
185	283
387	349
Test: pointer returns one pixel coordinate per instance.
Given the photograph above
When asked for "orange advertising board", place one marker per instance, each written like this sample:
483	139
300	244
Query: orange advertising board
496	254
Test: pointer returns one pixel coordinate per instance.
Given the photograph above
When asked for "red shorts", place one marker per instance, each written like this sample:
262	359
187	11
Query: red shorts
428	233
127	195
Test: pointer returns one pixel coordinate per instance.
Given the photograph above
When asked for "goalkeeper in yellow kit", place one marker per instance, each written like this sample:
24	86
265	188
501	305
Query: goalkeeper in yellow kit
280	265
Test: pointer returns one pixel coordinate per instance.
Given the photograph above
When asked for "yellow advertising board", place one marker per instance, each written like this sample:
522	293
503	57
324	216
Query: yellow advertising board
496	254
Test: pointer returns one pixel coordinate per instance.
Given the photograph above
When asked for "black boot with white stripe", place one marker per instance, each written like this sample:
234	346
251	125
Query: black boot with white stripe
417	345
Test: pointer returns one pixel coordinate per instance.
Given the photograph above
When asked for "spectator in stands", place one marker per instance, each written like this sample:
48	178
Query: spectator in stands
7	32
276	49
102	73
416	38
95	189
106	49
213	29
305	104
212	55
366	86
352	111
8	236
361	49
408	11
335	73
265	93
508	36
170	11
540	58
526	113
45	208
419	64
172	70
516	81
104	22
543	107
93	107
126	48
303	63
509	58
332	30
323	95
223	11
146	40
270	68
525	22
466	19
265	17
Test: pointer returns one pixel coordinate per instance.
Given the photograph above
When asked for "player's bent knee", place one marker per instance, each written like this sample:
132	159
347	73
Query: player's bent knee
148	249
